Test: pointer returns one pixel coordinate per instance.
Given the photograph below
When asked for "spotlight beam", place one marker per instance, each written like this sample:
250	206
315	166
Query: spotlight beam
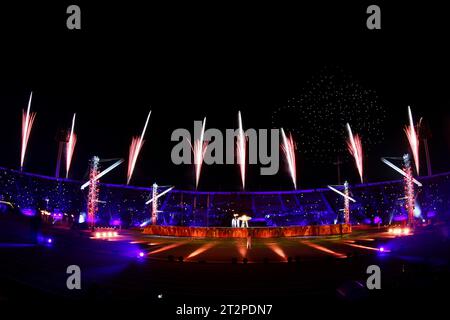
159	195
393	166
341	193
101	174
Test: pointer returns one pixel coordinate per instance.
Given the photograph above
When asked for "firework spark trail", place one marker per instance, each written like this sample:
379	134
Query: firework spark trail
355	148
289	151
27	123
135	149
413	139
199	150
241	145
70	147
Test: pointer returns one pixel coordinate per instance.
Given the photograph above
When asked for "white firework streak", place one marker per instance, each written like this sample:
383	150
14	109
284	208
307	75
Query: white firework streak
241	144
70	147
413	139
393	166
342	194
135	149
159	195
289	151
355	148
27	124
101	174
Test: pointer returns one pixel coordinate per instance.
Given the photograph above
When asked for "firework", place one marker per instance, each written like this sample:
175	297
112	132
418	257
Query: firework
393	166
355	148
289	151
199	150
70	147
241	144
101	174
413	139
135	149
27	123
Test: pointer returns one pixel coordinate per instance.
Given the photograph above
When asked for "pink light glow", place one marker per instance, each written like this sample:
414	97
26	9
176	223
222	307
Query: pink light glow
413	139
27	123
241	144
135	149
288	148
70	147
355	148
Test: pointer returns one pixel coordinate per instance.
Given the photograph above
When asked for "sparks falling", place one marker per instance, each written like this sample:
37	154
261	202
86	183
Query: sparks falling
199	150
288	148
135	149
413	139
355	148
241	149
27	123
70	147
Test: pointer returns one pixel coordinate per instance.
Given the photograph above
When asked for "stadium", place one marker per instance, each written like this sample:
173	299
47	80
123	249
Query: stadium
287	156
379	203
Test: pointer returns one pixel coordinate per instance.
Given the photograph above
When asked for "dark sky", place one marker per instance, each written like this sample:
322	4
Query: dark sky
190	61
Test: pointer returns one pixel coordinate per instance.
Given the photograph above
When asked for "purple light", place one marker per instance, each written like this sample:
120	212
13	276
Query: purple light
141	254
49	240
381	249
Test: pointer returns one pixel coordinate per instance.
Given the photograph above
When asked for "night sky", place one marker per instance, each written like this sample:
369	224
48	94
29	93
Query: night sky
187	62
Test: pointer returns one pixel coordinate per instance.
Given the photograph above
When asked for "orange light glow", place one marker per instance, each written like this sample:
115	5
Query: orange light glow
201	250
277	249
168	247
323	249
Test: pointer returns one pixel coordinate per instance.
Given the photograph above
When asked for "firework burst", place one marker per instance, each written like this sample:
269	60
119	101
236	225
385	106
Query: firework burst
70	147
27	123
413	139
288	148
135	149
355	148
241	145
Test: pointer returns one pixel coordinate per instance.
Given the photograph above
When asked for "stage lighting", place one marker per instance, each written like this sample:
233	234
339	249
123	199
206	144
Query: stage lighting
141	254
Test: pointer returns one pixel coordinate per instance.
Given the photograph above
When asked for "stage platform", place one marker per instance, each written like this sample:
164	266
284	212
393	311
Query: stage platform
255	232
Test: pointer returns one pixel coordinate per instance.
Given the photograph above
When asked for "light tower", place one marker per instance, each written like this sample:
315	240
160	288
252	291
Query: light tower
92	205
346	203
409	189
154	204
